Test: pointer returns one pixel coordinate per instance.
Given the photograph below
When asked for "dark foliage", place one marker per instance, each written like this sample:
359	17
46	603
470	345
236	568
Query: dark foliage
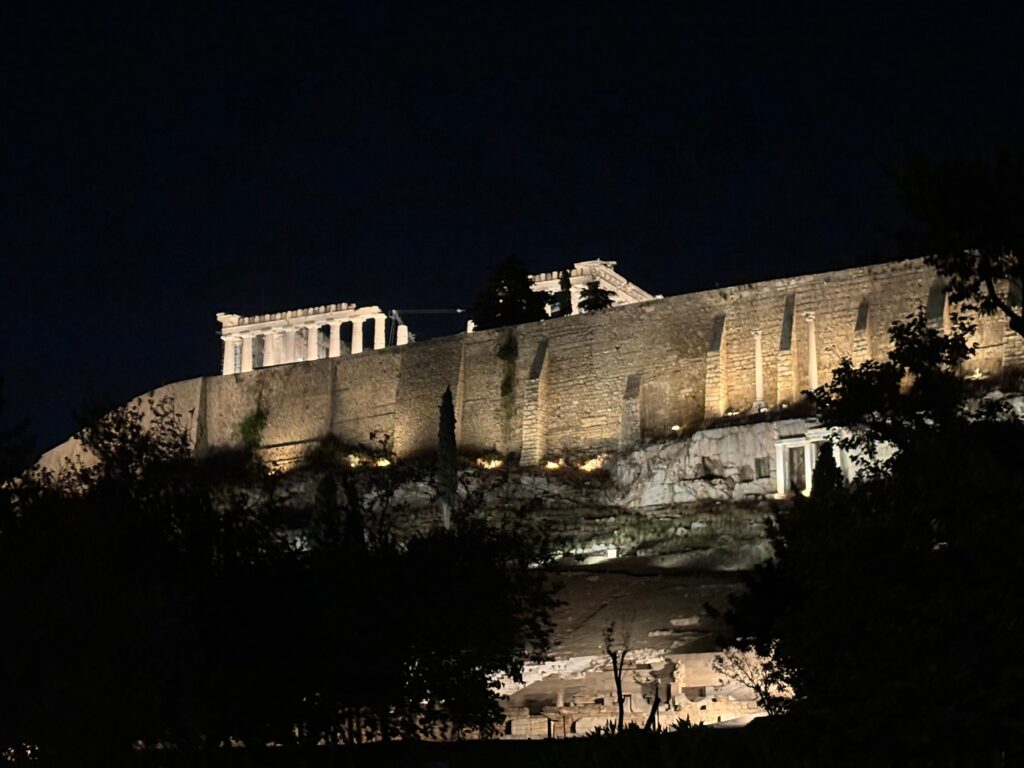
561	301
595	298
16	445
826	480
149	603
893	606
508	298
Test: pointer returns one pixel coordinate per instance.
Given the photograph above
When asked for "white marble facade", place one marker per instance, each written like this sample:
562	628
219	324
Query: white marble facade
299	335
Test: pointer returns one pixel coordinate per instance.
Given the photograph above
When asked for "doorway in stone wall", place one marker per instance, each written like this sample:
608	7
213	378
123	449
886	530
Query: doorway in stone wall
797	474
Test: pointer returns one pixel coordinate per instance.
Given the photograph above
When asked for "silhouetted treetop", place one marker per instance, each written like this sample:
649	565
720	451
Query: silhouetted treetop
968	214
906	584
508	298
561	301
594	298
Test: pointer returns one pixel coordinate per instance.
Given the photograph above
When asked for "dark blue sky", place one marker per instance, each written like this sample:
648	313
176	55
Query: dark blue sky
159	165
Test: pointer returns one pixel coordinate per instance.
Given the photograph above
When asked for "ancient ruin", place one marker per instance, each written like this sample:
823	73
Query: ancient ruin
299	335
596	271
571	386
659	432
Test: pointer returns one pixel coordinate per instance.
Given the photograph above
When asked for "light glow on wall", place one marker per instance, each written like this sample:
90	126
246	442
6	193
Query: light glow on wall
382	462
591	465
489	463
554	464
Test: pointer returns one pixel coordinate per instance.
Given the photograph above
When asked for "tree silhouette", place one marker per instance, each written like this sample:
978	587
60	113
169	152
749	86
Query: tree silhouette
826	477
561	301
160	604
878	586
447	459
595	298
616	648
966	212
508	298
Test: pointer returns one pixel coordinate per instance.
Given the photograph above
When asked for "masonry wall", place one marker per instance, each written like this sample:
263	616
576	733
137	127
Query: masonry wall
609	379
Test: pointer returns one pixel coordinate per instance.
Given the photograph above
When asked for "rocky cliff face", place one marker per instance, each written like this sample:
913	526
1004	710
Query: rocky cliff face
735	463
695	502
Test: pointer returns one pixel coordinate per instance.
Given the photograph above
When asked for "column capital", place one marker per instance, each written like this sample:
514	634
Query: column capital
756	333
809	317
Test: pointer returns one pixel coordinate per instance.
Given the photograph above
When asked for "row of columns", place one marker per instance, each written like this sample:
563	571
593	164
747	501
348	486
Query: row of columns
279	344
812	362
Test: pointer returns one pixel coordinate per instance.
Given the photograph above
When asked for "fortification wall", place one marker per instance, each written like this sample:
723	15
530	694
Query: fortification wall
585	383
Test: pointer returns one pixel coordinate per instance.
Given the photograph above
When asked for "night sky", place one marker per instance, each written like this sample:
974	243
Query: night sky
161	164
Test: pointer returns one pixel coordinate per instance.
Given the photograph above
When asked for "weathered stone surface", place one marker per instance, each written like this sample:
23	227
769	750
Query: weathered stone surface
711	465
635	372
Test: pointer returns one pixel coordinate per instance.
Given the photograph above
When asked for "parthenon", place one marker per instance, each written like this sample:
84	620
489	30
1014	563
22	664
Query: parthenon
261	341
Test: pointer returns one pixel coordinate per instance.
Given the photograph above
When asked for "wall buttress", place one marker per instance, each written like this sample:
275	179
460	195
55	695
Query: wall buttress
534	444
715	375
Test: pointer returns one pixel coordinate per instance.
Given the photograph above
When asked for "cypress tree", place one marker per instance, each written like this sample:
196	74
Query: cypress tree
561	301
447	469
826	478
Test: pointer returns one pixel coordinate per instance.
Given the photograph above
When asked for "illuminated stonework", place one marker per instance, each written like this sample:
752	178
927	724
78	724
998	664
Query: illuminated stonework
596	271
605	383
299	335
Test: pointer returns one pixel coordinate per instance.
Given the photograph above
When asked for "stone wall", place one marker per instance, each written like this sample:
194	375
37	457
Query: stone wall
606	380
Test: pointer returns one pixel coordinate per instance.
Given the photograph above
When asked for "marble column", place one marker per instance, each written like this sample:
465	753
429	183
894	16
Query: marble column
246	353
780	470
357	335
402	335
271	347
229	354
290	355
809	457
812	352
758	374
334	348
312	348
379	324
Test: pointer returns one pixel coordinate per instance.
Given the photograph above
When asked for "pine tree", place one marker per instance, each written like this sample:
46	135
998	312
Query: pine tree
595	298
509	298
